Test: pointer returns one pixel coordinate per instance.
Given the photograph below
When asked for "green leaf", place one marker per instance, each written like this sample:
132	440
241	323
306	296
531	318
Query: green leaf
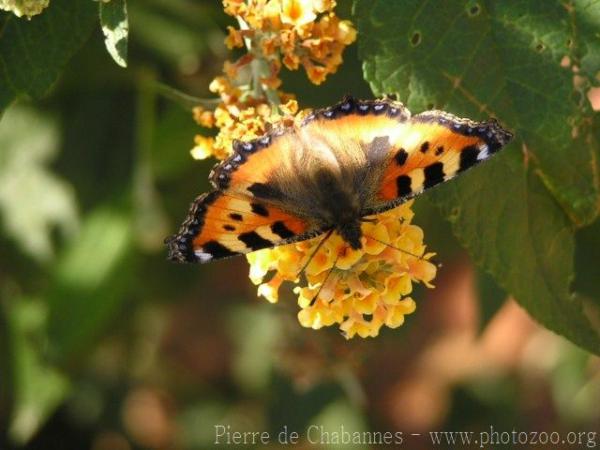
512	60
586	14
33	201
586	262
115	26
34	52
503	59
575	395
491	298
89	282
524	239
587	269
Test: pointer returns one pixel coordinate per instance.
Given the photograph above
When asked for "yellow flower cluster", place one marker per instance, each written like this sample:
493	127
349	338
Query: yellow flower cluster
26	8
297	32
237	117
361	290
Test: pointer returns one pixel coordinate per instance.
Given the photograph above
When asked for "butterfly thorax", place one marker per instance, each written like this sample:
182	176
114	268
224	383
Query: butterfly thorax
337	206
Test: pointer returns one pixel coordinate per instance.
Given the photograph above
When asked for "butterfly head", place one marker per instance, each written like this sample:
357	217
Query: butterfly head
351	233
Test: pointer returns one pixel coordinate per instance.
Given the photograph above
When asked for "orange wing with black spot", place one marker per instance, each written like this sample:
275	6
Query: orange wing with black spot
244	213
253	161
431	148
220	225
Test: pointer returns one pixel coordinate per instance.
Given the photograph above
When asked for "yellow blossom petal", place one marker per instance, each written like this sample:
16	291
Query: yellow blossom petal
270	290
366	305
320	262
234	38
395	316
290	107
423	271
375	238
356	286
203	148
260	264
324	5
297	12
347	257
346	33
396	287
27	8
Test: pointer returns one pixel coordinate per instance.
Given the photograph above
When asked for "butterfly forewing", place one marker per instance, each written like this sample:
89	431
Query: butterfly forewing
431	148
402	155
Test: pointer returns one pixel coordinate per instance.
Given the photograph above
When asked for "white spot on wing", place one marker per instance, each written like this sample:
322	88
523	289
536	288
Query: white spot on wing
203	256
483	153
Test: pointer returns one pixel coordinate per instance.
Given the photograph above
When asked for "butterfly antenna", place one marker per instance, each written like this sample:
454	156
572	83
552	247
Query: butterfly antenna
314	299
402	250
314	252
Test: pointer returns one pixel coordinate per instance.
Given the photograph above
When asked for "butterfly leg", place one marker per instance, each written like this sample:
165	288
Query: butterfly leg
369	220
314	299
400	249
314	252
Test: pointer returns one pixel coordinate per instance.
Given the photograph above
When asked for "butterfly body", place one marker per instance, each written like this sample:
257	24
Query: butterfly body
343	163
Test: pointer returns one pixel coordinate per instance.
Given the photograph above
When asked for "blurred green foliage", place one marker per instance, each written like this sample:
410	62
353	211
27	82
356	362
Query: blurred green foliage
104	345
34	200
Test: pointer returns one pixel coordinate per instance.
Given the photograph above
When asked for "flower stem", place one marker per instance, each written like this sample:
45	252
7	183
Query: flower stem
259	69
189	102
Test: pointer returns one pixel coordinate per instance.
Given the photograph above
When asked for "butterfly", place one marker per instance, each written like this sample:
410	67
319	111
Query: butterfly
329	173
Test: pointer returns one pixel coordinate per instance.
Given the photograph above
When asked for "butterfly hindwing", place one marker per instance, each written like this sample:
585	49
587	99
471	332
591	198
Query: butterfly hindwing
221	225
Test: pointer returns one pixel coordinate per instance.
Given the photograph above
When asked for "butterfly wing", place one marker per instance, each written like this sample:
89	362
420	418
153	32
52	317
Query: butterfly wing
404	155
244	213
220	225
434	147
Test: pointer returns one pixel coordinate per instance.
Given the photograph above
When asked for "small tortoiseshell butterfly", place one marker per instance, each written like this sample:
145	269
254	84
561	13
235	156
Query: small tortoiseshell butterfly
343	163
